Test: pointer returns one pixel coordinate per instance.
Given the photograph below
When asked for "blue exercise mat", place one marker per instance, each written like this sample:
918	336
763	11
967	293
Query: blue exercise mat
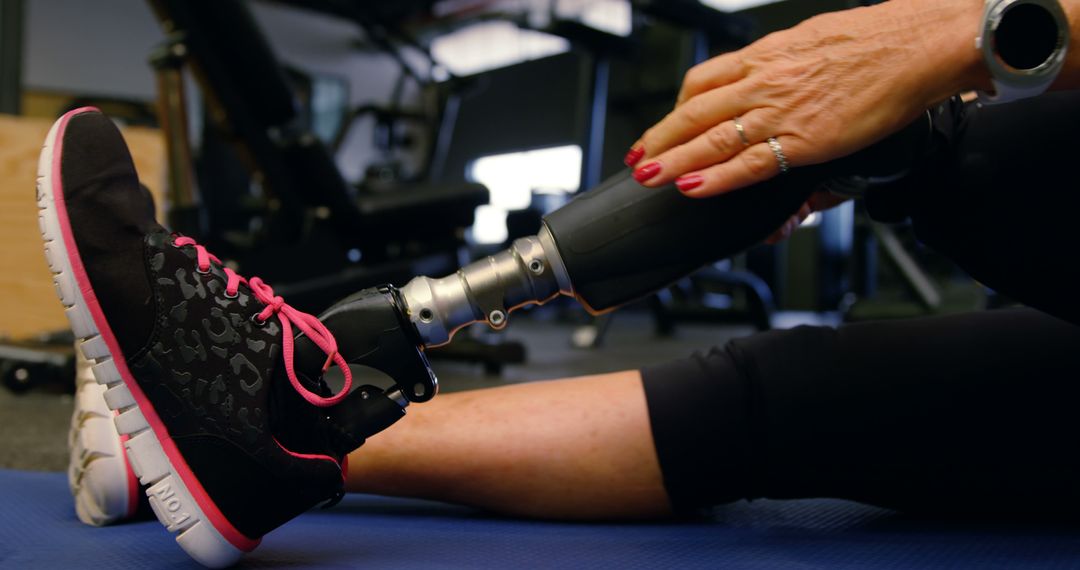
38	529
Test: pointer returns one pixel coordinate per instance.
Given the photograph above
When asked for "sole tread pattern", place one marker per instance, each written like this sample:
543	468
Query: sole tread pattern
98	475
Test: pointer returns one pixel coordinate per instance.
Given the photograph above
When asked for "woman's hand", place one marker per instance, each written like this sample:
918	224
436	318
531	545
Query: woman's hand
819	91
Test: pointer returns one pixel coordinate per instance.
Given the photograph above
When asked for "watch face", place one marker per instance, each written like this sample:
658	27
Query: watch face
1026	36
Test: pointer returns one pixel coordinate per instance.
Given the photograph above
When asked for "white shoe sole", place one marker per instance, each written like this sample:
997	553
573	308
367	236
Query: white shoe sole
101	481
170	481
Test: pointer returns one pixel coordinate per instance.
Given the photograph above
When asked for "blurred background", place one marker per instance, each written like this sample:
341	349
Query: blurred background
332	145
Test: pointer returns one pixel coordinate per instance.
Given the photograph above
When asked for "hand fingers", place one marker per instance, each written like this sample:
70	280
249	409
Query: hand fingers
754	164
710	74
714	146
694	117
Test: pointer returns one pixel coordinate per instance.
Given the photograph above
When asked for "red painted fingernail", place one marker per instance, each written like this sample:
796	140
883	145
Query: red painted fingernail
634	155
646	172
689	182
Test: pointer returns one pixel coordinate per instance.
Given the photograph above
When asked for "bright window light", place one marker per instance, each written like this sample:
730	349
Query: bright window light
611	16
513	178
490	45
735	5
489	225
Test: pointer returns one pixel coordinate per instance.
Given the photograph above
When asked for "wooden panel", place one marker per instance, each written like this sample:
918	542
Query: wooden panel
28	303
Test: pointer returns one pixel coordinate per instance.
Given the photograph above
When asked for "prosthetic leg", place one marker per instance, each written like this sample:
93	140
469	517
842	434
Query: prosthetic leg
607	247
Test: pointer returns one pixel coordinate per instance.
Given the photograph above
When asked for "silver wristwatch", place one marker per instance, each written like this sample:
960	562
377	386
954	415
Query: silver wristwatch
1023	43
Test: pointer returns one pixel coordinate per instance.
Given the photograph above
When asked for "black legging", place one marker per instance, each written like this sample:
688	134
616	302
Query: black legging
969	413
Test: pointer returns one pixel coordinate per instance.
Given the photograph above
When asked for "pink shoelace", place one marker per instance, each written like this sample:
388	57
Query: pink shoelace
308	324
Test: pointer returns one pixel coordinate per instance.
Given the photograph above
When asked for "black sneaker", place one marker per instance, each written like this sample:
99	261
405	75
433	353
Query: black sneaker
197	360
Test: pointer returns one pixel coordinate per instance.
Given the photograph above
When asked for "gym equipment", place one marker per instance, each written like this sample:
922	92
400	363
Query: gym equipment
320	237
313	223
47	362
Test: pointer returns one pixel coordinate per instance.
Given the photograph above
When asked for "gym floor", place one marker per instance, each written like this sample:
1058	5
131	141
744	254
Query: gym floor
34	436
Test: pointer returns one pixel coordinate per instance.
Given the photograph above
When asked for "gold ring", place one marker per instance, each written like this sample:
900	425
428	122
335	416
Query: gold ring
742	133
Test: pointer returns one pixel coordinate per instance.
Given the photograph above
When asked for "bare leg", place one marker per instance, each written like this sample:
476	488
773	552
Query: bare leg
578	448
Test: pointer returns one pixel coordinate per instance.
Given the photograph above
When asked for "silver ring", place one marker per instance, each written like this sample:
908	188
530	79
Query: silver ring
739	129
779	152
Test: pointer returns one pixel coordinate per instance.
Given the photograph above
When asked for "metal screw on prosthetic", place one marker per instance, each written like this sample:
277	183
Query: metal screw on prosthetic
530	272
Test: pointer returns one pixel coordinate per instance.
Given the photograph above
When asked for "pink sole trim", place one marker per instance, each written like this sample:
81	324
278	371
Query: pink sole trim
215	516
